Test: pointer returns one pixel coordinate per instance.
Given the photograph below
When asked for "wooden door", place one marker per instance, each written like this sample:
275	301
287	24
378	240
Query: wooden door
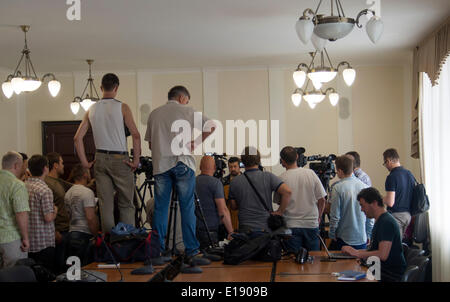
58	137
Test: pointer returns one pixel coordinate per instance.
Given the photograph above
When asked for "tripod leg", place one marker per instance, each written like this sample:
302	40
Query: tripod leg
174	237
202	218
169	225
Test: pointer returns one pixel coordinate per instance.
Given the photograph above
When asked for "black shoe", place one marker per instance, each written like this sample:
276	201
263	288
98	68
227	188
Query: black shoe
197	259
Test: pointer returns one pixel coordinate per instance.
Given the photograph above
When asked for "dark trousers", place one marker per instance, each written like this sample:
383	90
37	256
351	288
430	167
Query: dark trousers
45	257
78	245
60	253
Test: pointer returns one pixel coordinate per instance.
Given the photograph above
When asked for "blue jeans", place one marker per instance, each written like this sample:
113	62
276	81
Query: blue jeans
303	237
183	178
340	243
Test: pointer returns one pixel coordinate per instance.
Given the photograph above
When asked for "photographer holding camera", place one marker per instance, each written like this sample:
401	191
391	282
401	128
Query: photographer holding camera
113	168
253	216
174	171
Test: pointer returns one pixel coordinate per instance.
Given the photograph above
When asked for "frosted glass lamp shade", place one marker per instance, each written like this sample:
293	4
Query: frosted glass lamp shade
86	104
54	87
322	75
319	43
30	84
333	30
334	98
314	97
296	99
75	107
7	89
312	105
17	85
304	28
299	78
349	75
317	85
374	29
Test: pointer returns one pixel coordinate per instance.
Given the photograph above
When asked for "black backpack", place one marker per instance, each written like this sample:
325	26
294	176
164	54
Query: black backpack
420	203
242	248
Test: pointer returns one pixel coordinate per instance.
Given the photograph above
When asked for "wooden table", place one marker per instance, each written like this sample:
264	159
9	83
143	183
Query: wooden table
250	271
317	271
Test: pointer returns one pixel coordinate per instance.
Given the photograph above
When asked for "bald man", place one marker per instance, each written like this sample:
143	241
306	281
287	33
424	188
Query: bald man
210	192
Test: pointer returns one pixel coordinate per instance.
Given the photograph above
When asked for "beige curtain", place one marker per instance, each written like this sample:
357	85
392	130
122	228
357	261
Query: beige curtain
429	57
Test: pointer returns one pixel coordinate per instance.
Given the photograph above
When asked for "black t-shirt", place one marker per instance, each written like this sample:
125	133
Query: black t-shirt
400	181
208	188
386	229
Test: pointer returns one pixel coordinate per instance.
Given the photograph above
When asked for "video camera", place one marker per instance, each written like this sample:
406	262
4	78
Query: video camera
221	164
323	166
145	165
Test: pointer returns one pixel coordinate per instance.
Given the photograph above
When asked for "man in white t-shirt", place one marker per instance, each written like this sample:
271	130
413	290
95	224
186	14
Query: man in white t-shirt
80	203
307	203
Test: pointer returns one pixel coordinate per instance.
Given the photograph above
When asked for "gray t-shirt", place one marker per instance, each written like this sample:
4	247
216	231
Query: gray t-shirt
252	214
77	198
159	133
209	188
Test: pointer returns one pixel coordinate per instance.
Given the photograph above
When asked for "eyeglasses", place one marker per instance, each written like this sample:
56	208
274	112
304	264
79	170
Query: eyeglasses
385	162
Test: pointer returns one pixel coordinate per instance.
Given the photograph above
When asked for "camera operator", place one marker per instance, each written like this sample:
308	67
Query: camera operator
252	214
307	202
174	171
235	170
210	193
357	171
113	168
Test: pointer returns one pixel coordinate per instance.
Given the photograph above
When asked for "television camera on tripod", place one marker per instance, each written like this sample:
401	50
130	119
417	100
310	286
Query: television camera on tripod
145	167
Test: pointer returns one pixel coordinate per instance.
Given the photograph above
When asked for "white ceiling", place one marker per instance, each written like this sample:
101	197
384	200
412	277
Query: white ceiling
157	34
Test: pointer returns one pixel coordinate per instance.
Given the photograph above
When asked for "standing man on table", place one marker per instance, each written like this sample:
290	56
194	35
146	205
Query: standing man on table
113	168
172	168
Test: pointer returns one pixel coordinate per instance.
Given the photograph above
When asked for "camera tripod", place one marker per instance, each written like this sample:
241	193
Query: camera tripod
173	217
139	199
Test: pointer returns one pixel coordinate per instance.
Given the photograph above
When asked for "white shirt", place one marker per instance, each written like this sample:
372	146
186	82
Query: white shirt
108	127
302	211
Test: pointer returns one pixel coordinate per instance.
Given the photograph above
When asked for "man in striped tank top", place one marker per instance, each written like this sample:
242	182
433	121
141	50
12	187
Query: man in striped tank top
113	168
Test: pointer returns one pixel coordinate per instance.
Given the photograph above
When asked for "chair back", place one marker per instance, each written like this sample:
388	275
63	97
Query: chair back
421	262
18	273
410	274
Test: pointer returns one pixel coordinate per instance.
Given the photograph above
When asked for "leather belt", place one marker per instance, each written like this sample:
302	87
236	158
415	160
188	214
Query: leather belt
112	152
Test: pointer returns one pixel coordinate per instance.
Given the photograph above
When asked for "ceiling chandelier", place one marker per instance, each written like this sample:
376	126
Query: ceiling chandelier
318	75
334	27
314	96
86	99
322	73
27	80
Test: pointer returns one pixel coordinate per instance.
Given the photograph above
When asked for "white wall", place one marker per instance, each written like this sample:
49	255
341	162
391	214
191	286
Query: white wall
372	115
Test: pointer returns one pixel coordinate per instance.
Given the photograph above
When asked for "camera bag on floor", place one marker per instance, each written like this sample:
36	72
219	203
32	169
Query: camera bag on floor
242	248
127	248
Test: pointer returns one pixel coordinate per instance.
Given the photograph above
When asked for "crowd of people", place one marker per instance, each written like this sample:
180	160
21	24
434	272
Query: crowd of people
46	218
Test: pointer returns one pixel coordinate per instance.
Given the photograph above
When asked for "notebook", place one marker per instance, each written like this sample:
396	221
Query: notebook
351	275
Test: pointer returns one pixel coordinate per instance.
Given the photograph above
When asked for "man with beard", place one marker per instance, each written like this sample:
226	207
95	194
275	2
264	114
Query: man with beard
235	170
59	188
